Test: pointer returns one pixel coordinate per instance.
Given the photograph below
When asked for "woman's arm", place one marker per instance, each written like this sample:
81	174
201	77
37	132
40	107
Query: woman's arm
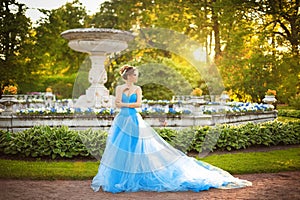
118	100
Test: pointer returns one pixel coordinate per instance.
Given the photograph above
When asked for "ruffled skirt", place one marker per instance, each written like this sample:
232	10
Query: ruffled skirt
136	158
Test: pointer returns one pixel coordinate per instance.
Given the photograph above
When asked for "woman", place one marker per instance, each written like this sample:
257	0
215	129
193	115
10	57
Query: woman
136	158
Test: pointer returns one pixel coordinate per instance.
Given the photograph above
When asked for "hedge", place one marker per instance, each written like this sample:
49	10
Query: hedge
61	142
289	113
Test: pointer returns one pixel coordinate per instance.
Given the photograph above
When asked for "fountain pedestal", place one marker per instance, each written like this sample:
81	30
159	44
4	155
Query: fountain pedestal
97	95
97	42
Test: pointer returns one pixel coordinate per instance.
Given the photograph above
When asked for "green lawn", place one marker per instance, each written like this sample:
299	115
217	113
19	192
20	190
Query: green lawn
257	162
237	163
47	170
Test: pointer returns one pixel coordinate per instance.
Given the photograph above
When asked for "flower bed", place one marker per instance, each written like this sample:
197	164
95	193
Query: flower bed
100	111
158	108
236	107
66	111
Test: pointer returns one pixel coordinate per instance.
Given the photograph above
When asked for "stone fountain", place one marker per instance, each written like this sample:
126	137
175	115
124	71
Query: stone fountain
98	43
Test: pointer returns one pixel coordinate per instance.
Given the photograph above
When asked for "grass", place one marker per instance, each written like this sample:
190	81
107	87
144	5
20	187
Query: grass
257	162
45	170
237	163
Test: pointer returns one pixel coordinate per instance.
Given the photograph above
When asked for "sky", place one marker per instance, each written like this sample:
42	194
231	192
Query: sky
91	6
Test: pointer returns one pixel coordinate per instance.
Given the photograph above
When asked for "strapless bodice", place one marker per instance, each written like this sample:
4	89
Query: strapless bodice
128	99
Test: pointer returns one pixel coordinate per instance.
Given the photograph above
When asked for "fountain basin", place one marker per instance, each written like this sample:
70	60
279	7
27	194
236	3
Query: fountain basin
97	42
97	39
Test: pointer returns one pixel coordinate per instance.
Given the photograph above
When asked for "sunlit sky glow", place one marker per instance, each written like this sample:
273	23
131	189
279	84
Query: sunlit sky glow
91	6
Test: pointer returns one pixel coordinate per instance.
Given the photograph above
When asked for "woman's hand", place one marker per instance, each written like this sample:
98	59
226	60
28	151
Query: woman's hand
128	105
118	104
131	106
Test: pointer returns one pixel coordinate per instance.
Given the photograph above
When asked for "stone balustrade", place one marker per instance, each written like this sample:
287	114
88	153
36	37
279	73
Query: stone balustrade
16	123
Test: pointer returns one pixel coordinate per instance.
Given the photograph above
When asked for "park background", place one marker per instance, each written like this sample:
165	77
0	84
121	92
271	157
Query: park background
254	45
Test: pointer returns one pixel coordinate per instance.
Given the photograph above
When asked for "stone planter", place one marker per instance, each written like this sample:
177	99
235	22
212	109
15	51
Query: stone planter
224	98
197	102
269	99
8	101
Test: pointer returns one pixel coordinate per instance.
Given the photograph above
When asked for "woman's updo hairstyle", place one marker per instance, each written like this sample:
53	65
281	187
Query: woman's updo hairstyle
127	70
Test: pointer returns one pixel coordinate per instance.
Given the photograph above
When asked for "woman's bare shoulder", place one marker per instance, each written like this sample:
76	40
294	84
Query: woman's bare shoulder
138	88
119	87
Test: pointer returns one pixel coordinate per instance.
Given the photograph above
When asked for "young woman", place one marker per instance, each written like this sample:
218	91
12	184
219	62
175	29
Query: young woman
136	158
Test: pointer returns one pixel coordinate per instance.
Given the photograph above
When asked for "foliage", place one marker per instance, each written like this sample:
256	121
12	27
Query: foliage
295	101
62	86
231	137
43	141
46	142
231	29
166	134
267	134
161	82
289	113
14	43
94	141
254	48
159	76
253	43
282	19
287	119
290	77
51	53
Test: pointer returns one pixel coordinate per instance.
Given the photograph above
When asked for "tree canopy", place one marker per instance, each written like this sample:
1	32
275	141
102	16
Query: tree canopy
253	44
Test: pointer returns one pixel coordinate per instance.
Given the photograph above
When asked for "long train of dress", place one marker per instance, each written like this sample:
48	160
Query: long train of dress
136	158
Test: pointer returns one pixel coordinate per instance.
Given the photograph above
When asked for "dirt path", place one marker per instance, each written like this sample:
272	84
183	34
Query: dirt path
283	185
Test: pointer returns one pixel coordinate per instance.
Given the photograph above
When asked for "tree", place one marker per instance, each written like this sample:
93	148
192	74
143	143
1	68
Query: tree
55	59
14	36
282	16
279	25
255	44
51	49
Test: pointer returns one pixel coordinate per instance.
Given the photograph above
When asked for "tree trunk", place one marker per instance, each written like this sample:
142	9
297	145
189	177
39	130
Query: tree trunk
216	30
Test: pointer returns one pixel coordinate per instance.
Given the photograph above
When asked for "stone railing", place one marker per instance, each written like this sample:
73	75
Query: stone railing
80	122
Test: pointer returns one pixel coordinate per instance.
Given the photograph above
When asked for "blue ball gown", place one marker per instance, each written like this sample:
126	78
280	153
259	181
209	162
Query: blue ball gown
136	158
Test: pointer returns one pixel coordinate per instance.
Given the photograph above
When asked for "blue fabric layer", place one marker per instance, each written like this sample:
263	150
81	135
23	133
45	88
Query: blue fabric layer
136	158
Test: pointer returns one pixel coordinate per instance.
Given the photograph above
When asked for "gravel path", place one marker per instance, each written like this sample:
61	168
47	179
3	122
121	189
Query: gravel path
283	185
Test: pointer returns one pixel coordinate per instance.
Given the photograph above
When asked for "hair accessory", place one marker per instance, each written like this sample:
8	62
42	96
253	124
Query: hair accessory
123	73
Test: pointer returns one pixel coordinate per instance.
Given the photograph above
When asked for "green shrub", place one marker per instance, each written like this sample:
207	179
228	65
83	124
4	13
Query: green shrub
295	101
94	141
43	141
61	142
166	134
289	113
234	137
